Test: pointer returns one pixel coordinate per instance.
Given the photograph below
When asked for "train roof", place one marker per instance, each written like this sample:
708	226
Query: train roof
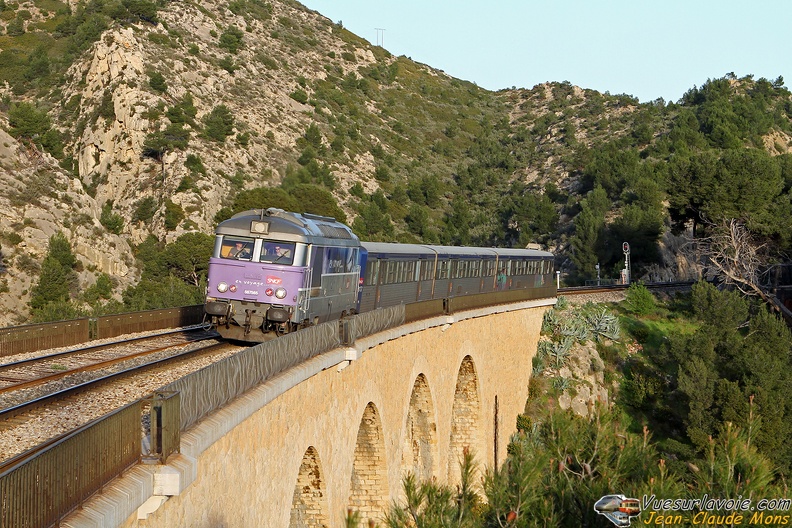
278	224
452	251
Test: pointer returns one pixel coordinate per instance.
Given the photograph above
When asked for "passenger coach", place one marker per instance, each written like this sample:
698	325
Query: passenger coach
404	273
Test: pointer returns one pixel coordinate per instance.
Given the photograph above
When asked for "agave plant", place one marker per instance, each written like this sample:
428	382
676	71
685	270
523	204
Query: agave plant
561	303
544	349
550	322
576	328
538	363
604	325
561	383
560	352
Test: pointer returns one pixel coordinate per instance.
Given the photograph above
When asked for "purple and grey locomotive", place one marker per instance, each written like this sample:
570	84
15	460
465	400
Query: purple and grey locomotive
272	272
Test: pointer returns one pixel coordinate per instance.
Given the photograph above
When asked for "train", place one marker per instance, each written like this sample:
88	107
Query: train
273	272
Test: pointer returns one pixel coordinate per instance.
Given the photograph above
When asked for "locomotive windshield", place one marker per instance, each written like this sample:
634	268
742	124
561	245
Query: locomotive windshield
277	253
240	248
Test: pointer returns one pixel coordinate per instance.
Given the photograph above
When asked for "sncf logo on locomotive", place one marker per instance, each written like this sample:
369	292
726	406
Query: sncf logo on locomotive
271	279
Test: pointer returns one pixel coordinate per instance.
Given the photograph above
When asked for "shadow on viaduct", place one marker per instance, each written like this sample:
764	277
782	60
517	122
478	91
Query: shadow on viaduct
342	429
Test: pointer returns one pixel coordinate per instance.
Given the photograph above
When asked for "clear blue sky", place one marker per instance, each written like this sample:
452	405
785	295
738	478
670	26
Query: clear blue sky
648	49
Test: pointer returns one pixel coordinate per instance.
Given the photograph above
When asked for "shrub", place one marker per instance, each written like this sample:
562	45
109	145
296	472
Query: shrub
299	95
174	214
218	124
231	39
106	107
157	82
195	164
27	122
144	209
173	137
15	27
111	221
12	238
639	299
227	63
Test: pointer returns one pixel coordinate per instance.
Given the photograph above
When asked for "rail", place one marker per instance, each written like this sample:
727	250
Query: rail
29	338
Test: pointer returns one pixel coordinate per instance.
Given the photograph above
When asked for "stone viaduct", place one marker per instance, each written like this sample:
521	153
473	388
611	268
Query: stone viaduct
341	430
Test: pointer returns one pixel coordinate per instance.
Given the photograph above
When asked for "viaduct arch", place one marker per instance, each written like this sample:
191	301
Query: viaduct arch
341	430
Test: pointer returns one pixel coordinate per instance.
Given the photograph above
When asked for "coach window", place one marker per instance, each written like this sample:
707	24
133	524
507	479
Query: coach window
409	275
372	272
489	268
426	269
390	272
442	269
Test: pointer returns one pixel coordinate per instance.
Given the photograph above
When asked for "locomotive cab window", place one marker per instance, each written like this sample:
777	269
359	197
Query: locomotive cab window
277	252
239	248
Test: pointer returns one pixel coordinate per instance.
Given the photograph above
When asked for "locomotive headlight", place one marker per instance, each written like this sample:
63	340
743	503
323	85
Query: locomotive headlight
222	287
280	293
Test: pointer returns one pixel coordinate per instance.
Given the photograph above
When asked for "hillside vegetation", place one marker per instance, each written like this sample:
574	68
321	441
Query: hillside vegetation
130	125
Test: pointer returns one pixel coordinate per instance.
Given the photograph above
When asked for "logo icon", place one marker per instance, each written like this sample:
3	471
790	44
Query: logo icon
618	509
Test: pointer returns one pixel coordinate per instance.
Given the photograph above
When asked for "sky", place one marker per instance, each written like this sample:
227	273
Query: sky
647	49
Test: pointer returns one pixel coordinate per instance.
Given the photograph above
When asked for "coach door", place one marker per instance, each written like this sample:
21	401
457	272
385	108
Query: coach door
370	293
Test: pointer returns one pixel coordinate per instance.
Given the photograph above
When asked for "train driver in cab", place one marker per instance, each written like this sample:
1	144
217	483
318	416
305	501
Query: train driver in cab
240	251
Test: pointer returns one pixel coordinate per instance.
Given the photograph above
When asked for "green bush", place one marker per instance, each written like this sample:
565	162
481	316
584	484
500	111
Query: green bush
157	82
231	39
227	63
27	122
639	299
175	136
218	124
12	238
299	95
195	164
145	208
174	214
111	221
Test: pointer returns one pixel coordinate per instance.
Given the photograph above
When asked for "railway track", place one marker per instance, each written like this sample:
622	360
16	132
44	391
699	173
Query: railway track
40	369
36	420
584	290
